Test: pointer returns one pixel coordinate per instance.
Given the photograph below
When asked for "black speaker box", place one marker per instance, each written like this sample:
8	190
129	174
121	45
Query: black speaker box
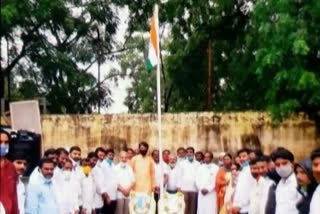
30	144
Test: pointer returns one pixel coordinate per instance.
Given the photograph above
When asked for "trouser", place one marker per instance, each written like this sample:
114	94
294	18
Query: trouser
122	206
190	199
109	208
99	211
156	198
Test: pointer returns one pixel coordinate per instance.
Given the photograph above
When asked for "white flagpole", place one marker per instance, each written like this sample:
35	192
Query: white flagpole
156	10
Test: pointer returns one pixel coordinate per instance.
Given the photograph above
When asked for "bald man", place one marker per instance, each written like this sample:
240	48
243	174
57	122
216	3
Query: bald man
126	181
173	174
205	181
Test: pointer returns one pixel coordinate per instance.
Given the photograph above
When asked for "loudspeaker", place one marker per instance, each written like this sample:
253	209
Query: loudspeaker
30	144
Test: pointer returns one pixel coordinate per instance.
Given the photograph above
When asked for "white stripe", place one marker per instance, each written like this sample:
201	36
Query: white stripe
152	56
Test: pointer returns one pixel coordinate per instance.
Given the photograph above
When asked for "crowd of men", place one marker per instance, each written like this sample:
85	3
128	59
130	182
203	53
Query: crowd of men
249	182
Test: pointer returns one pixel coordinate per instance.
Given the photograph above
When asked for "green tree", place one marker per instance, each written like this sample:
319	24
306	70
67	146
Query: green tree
53	43
287	56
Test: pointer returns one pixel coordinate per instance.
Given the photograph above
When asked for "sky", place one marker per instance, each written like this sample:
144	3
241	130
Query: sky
118	92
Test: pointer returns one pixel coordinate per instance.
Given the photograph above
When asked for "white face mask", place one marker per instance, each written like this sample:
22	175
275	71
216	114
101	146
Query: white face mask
284	171
123	165
66	175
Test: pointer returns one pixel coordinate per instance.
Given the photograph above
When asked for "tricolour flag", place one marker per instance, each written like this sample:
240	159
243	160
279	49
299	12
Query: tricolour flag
153	45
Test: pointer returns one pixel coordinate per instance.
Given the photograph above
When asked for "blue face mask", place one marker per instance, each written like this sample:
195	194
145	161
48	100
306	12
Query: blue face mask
4	149
190	158
245	164
109	161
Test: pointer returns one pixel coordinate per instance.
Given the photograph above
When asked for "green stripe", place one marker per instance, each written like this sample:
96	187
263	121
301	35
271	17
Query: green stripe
149	65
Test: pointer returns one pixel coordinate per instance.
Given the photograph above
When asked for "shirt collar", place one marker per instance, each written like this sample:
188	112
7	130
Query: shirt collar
290	179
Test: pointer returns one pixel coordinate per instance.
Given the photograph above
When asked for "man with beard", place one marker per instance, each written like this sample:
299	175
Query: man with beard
41	195
62	156
51	154
19	160
173	175
143	170
315	157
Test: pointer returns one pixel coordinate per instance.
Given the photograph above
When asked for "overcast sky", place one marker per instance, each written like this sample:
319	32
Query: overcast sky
118	92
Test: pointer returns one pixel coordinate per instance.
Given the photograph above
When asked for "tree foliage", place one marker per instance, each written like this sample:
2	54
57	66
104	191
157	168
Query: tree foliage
287	59
52	44
264	59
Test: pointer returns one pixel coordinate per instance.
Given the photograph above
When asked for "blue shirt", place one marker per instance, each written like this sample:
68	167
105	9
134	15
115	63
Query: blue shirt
41	198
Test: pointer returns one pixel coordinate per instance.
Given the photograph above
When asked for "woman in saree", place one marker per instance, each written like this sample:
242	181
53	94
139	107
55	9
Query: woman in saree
222	181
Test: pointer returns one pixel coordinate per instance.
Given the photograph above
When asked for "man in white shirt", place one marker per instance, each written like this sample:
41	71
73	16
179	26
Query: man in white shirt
51	154
101	154
173	175
315	201
187	182
75	157
110	183
181	154
67	191
205	181
287	195
244	185
19	161
267	201
88	188
158	174
97	175
125	183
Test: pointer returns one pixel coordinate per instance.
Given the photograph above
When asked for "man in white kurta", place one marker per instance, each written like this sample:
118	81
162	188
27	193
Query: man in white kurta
97	175
67	191
19	161
205	181
126	181
110	184
173	175
187	181
315	202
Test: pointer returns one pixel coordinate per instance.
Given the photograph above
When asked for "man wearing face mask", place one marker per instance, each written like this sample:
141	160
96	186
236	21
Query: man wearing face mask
287	195
88	185
41	195
314	206
66	192
244	184
110	183
143	170
125	183
187	181
8	177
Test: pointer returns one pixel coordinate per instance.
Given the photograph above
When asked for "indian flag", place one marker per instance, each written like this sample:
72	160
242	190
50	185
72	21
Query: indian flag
153	44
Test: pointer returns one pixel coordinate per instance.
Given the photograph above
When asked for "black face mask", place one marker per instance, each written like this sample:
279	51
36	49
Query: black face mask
143	152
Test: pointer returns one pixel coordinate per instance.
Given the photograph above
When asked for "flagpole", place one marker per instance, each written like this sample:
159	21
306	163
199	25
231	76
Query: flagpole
156	10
